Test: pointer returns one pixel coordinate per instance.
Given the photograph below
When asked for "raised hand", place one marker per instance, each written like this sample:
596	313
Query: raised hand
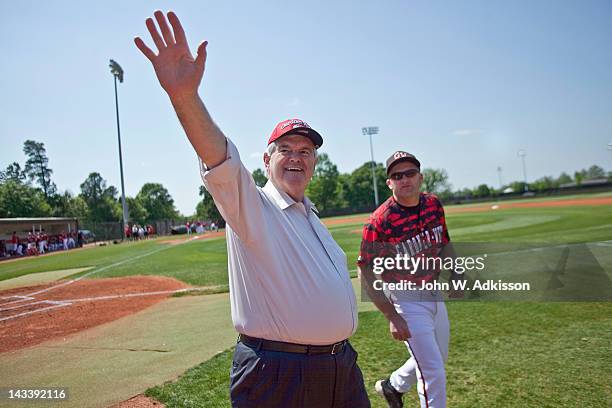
176	69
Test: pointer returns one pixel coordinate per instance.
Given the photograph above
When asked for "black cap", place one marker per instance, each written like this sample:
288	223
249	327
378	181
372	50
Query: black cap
399	157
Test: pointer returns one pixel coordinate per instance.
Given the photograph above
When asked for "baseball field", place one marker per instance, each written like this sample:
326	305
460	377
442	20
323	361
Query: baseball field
109	323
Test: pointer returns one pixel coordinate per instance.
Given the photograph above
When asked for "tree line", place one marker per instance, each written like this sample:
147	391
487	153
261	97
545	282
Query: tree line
29	191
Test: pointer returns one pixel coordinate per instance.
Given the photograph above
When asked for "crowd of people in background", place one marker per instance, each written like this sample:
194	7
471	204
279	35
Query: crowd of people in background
37	243
199	227
136	232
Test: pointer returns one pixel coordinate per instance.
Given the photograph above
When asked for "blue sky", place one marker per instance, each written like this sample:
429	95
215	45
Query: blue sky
462	84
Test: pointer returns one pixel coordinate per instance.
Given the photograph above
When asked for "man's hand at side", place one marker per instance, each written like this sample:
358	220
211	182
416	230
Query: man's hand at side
399	328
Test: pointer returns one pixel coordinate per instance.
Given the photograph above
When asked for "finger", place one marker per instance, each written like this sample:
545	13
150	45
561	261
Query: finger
179	33
200	60
144	49
163	25
159	42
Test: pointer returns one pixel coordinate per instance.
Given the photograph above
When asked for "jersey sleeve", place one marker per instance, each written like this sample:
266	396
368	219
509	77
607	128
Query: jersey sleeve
373	243
369	237
445	235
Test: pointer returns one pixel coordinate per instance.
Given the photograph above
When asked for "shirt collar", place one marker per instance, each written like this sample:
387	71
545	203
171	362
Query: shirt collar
283	200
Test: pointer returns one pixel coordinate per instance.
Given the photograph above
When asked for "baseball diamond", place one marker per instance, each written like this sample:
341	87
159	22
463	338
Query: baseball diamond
115	295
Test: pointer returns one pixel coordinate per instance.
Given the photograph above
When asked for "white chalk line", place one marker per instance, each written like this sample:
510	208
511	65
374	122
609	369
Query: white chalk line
21	306
19	299
30	296
34	311
60	303
128	295
100	270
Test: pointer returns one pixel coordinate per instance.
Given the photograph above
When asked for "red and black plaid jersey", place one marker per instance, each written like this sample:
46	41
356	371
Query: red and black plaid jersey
411	232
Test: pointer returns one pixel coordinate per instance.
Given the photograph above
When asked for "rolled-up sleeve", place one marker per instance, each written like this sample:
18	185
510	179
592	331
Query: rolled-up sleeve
235	194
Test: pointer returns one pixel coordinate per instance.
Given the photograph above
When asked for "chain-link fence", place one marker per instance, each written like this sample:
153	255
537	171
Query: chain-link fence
102	230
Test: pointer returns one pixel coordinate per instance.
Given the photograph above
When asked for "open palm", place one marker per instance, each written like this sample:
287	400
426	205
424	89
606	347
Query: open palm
176	69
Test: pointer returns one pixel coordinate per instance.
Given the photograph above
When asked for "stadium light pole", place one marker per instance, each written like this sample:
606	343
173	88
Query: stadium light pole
522	155
499	175
610	150
372	130
117	72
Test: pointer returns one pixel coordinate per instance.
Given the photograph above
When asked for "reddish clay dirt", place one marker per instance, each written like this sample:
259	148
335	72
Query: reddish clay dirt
139	401
79	314
575	202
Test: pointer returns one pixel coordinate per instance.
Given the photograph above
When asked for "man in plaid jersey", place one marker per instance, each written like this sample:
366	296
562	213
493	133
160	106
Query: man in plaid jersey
409	226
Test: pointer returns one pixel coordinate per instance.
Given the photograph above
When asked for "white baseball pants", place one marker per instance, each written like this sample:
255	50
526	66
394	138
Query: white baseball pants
428	345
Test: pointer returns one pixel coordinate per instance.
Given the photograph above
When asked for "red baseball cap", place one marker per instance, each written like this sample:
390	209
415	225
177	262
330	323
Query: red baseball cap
296	126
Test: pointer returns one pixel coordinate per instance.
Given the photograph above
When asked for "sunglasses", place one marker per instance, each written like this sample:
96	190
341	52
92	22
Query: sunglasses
400	174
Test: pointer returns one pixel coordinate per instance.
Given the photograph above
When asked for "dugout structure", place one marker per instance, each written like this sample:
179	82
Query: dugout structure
50	225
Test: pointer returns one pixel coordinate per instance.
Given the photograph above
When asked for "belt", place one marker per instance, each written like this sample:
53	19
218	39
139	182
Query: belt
270	345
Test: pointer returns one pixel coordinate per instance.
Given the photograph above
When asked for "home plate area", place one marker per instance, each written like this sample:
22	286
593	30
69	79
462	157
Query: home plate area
34	314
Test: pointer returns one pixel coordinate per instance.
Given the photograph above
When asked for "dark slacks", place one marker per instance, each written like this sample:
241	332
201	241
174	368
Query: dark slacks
269	379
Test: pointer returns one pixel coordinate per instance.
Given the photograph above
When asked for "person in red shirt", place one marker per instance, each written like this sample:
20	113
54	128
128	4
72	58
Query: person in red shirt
14	242
410	225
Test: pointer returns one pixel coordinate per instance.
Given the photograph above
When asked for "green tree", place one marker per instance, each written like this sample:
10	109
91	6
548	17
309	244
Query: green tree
482	191
595	172
564	178
357	190
101	200
21	200
435	180
13	172
157	201
37	166
67	205
518	186
324	188
137	213
579	176
260	177
544	184
464	193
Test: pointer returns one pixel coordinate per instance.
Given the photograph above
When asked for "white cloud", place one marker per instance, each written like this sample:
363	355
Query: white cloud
294	102
255	155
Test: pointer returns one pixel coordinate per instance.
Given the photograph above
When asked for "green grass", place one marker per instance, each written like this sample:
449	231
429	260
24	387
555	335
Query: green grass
199	263
504	354
204	263
501	355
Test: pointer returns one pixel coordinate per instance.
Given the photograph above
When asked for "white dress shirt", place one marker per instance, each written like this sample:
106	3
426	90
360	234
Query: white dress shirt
288	278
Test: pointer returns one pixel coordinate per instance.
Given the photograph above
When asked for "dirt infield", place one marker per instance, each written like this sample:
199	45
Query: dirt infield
577	202
31	315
